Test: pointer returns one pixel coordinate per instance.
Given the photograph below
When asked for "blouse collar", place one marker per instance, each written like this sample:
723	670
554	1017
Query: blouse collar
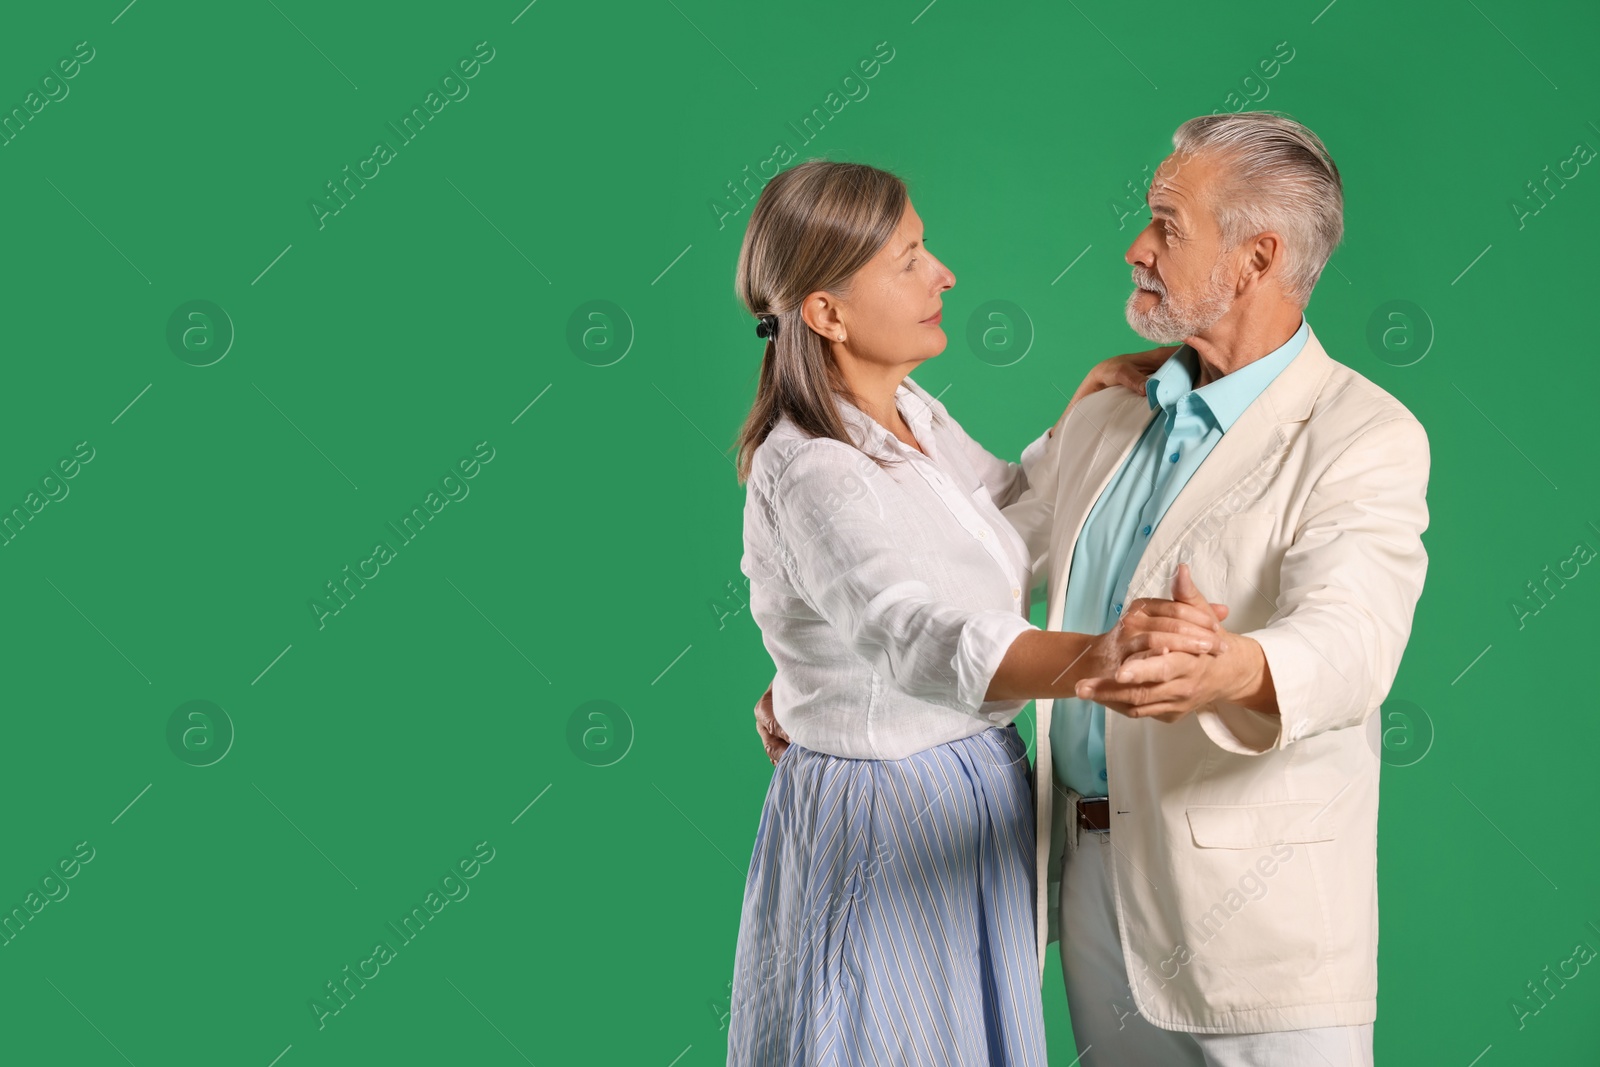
916	407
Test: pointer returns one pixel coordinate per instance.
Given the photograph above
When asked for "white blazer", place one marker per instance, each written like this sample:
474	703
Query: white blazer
1245	858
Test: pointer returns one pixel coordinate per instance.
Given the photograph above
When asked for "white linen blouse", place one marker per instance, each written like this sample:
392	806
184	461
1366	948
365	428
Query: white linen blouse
886	597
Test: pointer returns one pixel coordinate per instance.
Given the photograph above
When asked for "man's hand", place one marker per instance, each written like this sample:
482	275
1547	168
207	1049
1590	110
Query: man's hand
773	739
1169	685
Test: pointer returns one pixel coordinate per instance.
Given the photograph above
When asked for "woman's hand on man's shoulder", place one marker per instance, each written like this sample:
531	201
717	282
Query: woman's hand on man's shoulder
1129	371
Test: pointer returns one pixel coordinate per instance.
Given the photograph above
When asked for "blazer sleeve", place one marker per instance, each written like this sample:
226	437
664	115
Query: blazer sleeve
841	554
1349	586
1032	510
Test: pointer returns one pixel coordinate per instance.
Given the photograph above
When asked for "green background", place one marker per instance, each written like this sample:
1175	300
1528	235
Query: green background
596	557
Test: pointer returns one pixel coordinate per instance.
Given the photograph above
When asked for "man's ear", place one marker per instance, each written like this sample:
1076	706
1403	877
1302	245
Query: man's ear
1265	259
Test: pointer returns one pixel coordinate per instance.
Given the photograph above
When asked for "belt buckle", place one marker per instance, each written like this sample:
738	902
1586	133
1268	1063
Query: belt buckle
1082	815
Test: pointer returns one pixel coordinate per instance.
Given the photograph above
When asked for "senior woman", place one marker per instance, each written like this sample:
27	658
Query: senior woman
888	914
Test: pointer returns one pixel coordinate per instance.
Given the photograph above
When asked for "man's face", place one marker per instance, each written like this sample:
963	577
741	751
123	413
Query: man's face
1178	262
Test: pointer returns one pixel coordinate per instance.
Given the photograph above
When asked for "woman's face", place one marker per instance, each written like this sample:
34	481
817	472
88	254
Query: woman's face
891	314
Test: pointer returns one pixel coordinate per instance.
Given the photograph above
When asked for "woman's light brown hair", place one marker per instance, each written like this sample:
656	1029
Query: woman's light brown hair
813	227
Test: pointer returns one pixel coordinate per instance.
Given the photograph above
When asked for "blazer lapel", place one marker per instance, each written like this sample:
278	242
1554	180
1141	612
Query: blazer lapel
1254	442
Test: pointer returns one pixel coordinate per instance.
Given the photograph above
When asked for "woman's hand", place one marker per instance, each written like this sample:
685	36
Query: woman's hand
1129	371
773	739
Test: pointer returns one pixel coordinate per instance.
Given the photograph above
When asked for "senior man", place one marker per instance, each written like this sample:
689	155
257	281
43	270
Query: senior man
1213	819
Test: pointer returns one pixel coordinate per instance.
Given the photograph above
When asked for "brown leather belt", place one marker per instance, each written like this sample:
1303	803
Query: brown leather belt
1094	814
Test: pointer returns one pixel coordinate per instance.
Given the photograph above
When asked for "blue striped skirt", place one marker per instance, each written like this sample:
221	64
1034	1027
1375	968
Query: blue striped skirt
889	913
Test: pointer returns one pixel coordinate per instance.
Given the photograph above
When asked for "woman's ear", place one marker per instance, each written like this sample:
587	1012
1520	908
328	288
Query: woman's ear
820	311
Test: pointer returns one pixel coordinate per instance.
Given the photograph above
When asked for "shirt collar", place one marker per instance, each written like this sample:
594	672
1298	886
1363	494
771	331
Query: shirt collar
916	407
1228	396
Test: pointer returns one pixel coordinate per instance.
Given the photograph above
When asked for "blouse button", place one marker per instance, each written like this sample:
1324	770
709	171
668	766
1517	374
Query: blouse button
983	535
1015	592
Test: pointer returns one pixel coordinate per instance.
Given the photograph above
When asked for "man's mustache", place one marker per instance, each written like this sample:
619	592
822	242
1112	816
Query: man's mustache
1144	281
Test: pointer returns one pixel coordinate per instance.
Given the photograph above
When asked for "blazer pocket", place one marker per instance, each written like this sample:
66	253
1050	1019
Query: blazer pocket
1259	825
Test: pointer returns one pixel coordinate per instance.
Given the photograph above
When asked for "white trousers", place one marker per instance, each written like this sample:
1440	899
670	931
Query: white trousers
1108	1027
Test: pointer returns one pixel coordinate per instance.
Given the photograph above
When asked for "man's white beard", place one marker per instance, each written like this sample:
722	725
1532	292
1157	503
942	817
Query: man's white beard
1169	322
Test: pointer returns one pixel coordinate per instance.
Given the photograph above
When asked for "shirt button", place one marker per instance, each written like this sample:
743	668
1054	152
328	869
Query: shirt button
1146	531
1173	457
983	535
1102	776
1119	609
1015	592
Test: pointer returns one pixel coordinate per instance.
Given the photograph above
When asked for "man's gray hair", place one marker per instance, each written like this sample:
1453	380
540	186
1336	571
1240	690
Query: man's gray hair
1277	175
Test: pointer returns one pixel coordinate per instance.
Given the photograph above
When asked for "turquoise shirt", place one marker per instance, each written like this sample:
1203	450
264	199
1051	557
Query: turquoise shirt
1171	449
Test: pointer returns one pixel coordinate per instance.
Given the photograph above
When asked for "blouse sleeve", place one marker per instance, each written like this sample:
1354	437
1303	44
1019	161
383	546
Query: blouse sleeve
841	554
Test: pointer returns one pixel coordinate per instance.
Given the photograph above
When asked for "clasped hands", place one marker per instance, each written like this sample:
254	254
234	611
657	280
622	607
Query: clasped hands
1166	658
